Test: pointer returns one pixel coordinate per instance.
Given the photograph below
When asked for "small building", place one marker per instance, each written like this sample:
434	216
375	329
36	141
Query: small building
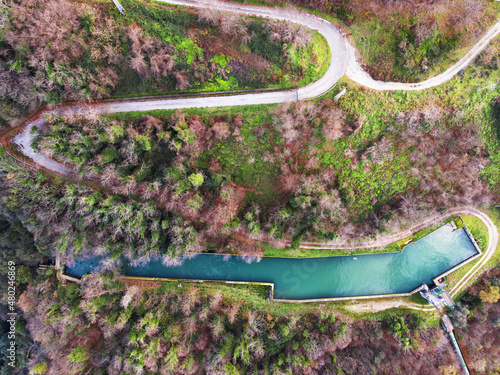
436	296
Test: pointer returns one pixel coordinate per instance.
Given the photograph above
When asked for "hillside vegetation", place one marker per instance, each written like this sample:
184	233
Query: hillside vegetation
120	329
408	41
222	180
318	170
54	51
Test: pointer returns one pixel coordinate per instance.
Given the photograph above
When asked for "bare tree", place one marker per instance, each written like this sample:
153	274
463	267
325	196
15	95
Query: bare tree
139	65
334	123
182	80
162	63
221	130
4	13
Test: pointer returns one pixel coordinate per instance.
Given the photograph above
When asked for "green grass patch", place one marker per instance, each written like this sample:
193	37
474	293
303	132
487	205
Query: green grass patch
375	41
478	231
244	159
405	241
319	52
243	110
318	253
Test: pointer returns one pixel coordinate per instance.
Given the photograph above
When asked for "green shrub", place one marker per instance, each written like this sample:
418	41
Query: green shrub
108	155
491	294
116	134
230	369
24	274
195	203
181	187
222	60
144	173
295	245
78	354
284	330
196	179
40	368
145	143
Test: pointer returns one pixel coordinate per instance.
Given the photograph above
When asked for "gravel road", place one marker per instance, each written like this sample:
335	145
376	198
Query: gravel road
356	73
343	61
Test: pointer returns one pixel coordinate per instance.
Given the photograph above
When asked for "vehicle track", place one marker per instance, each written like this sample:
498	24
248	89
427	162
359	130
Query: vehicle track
343	61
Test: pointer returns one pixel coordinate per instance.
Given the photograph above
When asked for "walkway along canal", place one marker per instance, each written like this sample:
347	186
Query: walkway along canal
342	61
319	278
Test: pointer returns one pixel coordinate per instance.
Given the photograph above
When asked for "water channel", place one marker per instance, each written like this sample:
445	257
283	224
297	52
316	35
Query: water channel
341	276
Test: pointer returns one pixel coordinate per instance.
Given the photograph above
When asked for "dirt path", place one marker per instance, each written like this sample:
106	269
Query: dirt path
375	305
488	254
390	238
356	73
342	61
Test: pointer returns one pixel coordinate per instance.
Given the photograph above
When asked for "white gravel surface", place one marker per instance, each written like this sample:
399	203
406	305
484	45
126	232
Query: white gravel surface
343	61
356	73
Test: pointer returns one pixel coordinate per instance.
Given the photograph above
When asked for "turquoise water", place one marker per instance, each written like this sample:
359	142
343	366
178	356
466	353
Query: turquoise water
343	276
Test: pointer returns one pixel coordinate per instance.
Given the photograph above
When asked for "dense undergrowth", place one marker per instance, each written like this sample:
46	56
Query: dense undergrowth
410	44
407	41
307	170
106	326
80	51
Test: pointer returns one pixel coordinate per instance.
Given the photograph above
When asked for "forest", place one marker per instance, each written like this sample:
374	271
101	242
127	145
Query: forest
63	51
222	169
407	40
317	170
244	180
111	326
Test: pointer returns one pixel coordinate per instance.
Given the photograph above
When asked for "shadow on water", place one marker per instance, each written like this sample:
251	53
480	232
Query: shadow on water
326	277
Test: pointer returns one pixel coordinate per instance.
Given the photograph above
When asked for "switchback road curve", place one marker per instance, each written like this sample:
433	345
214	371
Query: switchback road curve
343	62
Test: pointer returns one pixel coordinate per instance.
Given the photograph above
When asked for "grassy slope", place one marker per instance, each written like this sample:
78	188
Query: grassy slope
480	232
316	52
377	41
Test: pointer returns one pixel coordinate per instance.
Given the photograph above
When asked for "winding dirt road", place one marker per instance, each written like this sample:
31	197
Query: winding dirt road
356	73
343	62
